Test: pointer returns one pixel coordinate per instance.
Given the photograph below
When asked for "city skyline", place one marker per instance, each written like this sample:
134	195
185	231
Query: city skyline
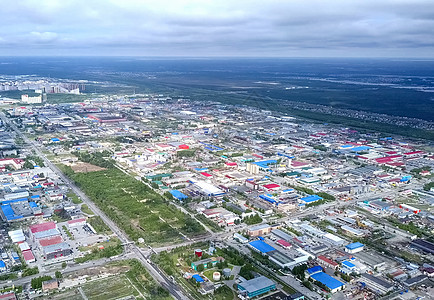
209	28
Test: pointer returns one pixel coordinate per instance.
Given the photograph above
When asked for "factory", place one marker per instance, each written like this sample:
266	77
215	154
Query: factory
256	286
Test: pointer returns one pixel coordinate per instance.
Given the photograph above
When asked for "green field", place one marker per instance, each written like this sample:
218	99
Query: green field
136	208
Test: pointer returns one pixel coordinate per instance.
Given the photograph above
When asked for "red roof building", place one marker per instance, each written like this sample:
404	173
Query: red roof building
8	296
271	186
28	256
283	243
42	227
51	241
184	147
206	174
324	261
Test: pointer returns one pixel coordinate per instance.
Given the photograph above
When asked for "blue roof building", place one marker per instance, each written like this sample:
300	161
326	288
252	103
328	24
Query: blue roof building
178	195
2	265
261	246
354	247
311	198
198	278
314	270
331	283
264	163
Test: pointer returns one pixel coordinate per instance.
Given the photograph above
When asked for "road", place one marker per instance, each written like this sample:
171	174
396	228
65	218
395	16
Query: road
155	272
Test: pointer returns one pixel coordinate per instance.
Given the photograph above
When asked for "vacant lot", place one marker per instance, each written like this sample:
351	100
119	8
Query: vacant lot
82	167
110	288
136	208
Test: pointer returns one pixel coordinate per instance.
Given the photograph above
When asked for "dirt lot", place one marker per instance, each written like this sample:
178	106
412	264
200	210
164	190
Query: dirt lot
82	167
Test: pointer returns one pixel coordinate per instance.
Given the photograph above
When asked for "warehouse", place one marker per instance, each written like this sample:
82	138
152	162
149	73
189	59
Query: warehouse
57	250
208	189
327	263
261	229
423	245
331	283
261	247
17	236
354	247
282	235
333	239
178	195
256	286
376	284
310	199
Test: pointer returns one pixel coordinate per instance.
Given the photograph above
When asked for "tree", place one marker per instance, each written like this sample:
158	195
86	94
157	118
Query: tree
64	265
58	274
209	265
200	268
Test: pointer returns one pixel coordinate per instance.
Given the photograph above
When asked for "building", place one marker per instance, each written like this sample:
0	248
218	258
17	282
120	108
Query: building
296	296
240	238
331	283
57	250
261	229
410	282
327	263
8	296
354	247
423	245
261	247
376	284
256	286
50	285
205	262
31	100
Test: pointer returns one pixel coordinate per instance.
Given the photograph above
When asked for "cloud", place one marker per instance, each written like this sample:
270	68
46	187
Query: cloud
222	28
43	37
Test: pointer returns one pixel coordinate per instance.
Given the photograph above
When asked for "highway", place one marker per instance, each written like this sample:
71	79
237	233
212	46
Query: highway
155	272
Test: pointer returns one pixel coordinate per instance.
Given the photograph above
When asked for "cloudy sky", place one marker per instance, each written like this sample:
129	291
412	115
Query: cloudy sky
391	28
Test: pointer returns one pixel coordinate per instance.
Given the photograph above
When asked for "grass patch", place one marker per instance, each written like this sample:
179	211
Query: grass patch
98	224
74	198
136	208
114	287
86	209
111	249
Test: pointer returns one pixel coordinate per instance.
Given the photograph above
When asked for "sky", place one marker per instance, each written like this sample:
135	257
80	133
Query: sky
241	28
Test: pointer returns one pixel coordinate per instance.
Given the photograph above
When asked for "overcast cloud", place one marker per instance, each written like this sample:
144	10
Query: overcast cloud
393	28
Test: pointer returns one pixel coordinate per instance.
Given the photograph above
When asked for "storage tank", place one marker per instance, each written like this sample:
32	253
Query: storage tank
227	272
198	252
216	276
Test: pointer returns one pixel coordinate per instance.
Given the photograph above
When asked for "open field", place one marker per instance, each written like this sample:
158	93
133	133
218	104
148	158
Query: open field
110	288
136	208
82	167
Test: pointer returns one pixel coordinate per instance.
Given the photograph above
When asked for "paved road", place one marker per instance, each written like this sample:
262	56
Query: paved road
153	270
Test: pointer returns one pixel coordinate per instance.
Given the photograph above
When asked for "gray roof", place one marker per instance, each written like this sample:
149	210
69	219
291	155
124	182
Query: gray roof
386	285
281	234
56	247
257	283
46	233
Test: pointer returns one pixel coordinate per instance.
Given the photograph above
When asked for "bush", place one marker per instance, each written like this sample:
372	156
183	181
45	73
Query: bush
37	282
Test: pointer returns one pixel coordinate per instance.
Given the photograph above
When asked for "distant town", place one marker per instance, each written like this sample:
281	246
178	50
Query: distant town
156	196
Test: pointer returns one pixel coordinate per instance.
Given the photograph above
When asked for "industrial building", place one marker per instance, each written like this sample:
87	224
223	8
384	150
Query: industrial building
56	250
423	245
256	286
331	283
354	247
261	229
376	284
